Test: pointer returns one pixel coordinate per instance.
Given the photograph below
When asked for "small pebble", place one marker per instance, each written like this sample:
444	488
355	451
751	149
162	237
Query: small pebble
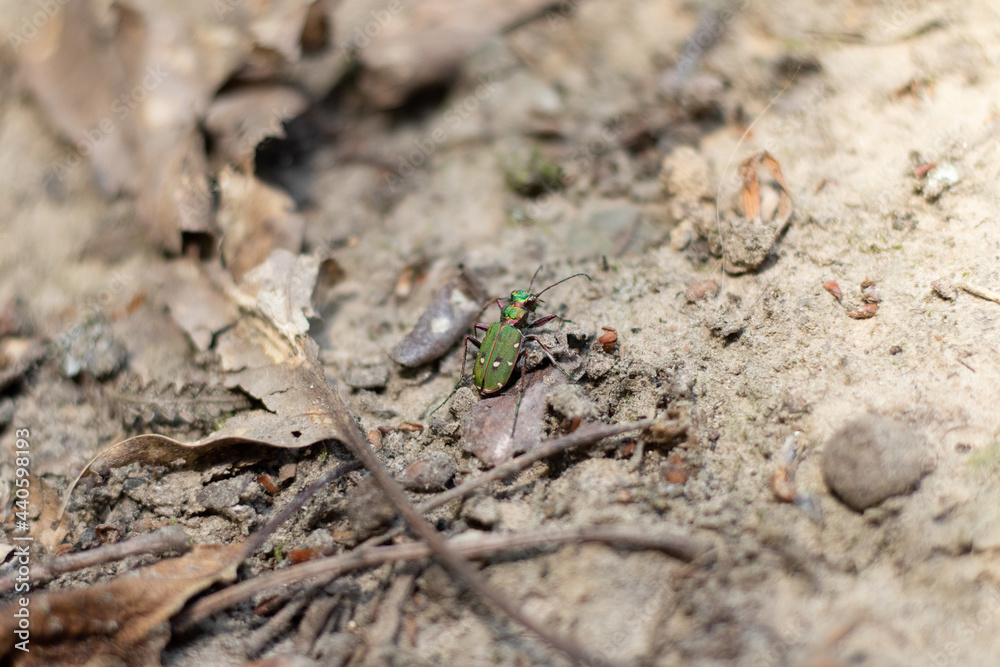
367	376
873	458
368	508
833	288
432	472
863	312
482	512
945	289
90	349
939	180
870	293
703	289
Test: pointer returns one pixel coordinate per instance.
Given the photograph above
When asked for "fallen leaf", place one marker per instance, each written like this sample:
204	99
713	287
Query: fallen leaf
255	219
241	119
487	427
269	355
196	303
128	86
126	618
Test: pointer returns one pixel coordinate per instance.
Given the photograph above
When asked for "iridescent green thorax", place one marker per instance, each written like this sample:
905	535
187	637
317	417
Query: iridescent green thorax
514	314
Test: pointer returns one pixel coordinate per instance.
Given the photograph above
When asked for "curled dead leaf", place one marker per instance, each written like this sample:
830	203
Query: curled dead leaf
255	219
764	209
126	618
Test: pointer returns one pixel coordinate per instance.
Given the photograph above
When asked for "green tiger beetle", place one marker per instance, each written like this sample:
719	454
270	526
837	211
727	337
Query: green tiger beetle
501	347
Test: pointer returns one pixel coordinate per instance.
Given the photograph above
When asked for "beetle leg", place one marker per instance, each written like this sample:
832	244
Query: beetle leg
520	392
465	355
543	320
548	353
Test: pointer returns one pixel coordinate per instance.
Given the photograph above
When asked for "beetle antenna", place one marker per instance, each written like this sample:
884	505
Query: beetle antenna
535	276
562	281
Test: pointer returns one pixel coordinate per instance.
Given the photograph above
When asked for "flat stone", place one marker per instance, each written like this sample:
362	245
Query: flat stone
873	458
487	427
367	375
431	472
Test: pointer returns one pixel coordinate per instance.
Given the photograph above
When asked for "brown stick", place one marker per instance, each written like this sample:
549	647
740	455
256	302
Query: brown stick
449	558
305	494
165	540
585	435
670	541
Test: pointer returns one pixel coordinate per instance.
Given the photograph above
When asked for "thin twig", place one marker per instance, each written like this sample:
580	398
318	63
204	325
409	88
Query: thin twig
671	542
275	626
981	292
165	540
585	435
330	404
458	565
281	517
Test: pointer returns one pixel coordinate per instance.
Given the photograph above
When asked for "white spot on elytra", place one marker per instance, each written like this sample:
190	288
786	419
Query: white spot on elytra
510	363
482	360
499	384
496	364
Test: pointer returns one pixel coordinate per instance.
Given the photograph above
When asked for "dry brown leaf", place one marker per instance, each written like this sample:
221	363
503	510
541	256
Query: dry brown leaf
277	25
77	64
196	303
269	355
175	196
255	220
241	119
126	619
50	527
127	85
763	209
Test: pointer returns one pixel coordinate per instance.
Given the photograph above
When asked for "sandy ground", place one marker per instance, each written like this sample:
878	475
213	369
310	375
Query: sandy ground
851	100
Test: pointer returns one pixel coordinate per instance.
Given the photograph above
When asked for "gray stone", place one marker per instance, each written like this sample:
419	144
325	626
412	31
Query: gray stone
431	472
367	375
873	458
91	349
